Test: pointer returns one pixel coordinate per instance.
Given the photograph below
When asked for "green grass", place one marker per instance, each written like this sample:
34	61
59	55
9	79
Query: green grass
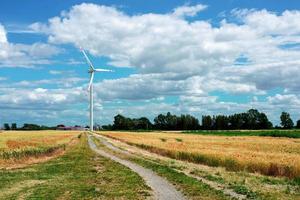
269	133
208	176
78	174
191	187
178	139
241	189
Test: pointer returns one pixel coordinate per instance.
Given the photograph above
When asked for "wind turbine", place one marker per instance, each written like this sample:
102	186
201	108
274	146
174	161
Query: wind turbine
91	71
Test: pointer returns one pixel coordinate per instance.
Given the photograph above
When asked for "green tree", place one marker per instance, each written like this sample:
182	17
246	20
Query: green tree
207	122
286	121
31	127
13	126
235	121
221	122
144	123
263	121
298	124
253	119
6	126
187	122
122	123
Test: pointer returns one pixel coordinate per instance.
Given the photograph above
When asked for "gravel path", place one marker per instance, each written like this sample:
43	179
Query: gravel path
162	189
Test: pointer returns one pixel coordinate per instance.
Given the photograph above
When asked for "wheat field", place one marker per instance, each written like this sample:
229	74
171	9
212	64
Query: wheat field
19	146
265	155
24	139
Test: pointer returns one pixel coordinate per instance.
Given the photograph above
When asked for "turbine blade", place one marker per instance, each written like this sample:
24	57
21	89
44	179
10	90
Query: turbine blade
103	70
87	58
91	81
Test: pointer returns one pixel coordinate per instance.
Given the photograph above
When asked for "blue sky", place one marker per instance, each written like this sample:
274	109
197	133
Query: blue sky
196	57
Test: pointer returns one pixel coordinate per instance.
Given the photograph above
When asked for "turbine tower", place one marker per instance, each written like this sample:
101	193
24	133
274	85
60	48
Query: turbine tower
91	71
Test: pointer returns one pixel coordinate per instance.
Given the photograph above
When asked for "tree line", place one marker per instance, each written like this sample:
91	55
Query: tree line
252	119
25	127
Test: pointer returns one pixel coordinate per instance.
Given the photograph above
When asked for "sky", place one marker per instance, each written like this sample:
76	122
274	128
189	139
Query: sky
186	57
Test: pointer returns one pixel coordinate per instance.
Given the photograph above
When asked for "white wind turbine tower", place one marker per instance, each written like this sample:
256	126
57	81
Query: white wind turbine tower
92	70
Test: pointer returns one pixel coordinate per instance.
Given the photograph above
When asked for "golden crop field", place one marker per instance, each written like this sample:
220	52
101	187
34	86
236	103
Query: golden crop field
266	155
23	139
18	146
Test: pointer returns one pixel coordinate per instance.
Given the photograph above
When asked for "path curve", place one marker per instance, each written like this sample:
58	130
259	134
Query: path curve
162	189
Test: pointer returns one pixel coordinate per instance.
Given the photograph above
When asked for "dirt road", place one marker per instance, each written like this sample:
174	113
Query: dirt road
162	189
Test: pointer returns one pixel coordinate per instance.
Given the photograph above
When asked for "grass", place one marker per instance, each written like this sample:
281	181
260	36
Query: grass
241	189
267	133
78	174
265	155
191	187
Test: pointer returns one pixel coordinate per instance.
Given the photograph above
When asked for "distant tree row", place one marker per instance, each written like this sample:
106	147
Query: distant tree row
161	122
252	119
13	126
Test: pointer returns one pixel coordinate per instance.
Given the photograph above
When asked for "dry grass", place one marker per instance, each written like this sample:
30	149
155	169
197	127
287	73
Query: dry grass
21	139
266	155
18	148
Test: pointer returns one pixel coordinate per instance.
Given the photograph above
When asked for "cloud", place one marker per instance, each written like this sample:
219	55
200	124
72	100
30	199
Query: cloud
267	22
178	57
3	38
40	98
188	11
23	55
152	43
55	72
65	82
289	100
165	44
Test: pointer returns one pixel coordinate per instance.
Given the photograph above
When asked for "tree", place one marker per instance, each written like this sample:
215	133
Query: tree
187	122
235	121
123	123
263	121
144	123
253	119
13	126
207	122
119	122
286	121
298	124
31	127
171	121
221	122
107	127
160	122
6	126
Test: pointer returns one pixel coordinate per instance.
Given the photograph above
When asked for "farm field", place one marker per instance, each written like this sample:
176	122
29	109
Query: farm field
21	147
78	174
265	155
271	133
20	139
240	182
